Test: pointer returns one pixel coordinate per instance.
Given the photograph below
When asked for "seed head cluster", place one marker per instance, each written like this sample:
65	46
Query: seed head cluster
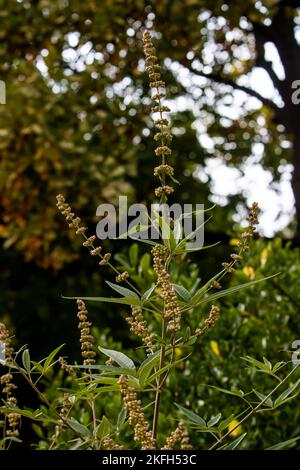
75	223
212	317
86	339
122	277
248	232
172	310
163	137
243	242
139	326
185	441
63	413
66	367
175	437
109	444
12	422
209	321
136	416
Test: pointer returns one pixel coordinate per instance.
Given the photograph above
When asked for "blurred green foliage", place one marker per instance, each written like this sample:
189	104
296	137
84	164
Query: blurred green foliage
259	322
76	122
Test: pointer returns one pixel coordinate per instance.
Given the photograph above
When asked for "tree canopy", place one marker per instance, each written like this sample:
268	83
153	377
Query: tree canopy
77	104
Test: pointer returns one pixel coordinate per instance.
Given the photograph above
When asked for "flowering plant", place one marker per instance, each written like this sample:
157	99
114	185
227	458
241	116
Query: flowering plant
159	317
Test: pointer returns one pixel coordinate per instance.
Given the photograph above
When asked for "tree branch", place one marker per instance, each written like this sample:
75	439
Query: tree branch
228	81
261	37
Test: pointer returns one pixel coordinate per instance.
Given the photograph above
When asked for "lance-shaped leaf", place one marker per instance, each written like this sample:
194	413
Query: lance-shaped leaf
112	300
191	417
123	290
231	290
119	357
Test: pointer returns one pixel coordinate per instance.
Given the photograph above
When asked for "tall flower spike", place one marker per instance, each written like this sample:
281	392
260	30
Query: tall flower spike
163	151
139	326
8	387
86	339
247	234
74	222
172	311
136	416
175	437
63	413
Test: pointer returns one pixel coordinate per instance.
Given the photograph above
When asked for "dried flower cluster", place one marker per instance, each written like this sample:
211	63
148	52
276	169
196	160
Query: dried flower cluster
213	315
75	223
109	444
172	310
138	325
209	321
136	416
185	441
8	387
122	277
86	339
63	413
242	244
163	137
66	367
176	436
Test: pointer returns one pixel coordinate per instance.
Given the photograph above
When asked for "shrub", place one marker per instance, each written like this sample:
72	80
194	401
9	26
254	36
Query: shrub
170	314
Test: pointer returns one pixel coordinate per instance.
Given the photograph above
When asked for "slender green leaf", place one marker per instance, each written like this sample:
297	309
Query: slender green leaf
268	363
123	290
134	230
236	393
284	395
200	292
108	388
37	366
122	260
107	369
285	444
262	397
78	427
189	237
133	254
146	295
48	361
186	215
225	423
10	438
146	241
27	413
259	366
231	290
278	366
234	444
214	420
113	300
119	357
121	417
105	380
166	232
191	417
104	428
165	369
177	231
147	366
26	360
183	293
